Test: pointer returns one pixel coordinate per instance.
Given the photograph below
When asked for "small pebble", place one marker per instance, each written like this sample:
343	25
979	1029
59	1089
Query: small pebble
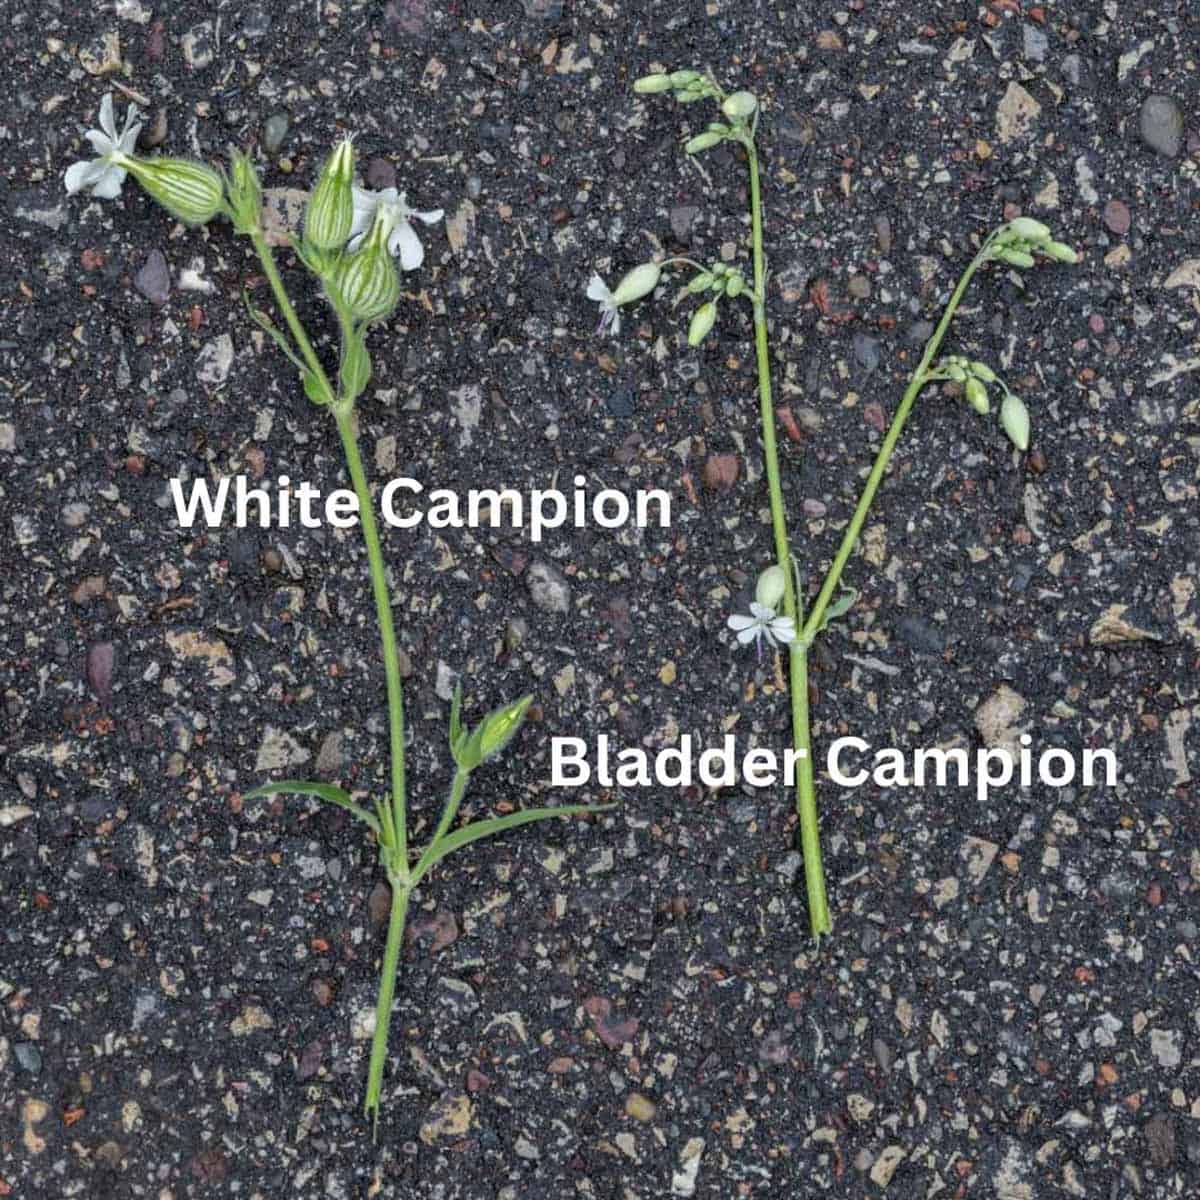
154	279
1161	124
380	174
275	129
1116	217
640	1108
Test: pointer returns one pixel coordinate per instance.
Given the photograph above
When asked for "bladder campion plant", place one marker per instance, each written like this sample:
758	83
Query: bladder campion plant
349	242
778	613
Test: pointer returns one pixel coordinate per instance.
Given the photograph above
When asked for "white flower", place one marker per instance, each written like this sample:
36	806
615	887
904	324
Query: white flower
393	208
104	175
762	623
610	312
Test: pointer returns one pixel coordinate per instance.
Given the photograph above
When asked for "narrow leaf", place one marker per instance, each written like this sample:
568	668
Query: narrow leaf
273	331
436	851
322	791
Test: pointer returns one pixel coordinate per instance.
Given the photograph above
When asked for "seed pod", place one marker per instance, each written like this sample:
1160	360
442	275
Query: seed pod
771	586
188	190
703	320
636	283
1014	417
977	397
702	142
739	106
330	213
983	371
649	84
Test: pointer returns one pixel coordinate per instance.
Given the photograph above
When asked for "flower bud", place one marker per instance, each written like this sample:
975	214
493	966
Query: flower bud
490	736
367	282
330	213
188	190
649	84
983	371
245	193
1016	258
955	372
702	141
637	283
703	319
735	285
739	106
1060	252
700	283
771	586
1014	417
680	79
1029	230
977	397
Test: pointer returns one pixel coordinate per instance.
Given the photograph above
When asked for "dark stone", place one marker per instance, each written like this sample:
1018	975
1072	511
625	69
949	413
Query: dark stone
154	279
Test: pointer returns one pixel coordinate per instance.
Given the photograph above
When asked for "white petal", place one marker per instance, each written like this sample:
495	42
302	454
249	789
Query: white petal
82	175
750	635
783	629
616	322
364	213
761	611
101	142
597	289
129	136
430	218
108	187
739	621
106	117
406	243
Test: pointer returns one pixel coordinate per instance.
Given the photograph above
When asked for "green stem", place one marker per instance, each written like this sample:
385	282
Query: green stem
344	415
806	805
920	377
383	1005
289	313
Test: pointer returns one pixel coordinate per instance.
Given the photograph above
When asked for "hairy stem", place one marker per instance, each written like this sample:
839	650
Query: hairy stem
806	805
383	1005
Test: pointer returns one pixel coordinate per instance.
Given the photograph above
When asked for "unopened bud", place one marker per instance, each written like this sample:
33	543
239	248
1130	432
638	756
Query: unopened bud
983	371
637	283
245	193
367	281
188	190
680	79
649	84
977	397
1016	258
701	142
1060	252
330	213
703	320
1014	417
739	106
700	283
1029	230
772	584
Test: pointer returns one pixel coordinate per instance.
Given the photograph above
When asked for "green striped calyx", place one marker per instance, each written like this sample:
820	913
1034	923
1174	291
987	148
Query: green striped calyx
367	282
188	190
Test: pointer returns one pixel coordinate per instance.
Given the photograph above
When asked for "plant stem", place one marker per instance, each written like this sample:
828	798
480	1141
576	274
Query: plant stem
816	615
806	806
387	635
289	313
383	1005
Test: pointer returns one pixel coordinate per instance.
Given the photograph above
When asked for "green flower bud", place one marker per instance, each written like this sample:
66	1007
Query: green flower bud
735	285
719	269
245	193
490	736
367	282
703	320
977	397
1014	417
700	283
637	283
739	106
955	372
983	371
1060	252
649	84
188	190
682	79
1016	258
771	586
1029	230
702	141
330	213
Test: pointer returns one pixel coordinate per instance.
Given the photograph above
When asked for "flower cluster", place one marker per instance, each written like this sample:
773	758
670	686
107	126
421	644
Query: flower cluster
1017	242
975	378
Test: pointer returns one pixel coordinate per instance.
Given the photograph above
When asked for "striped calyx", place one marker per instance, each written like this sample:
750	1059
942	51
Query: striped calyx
188	190
330	213
367	280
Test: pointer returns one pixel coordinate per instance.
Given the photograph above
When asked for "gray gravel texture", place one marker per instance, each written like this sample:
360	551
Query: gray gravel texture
628	1006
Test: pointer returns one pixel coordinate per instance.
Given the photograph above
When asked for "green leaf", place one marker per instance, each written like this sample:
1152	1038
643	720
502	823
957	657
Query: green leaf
314	389
840	607
456	729
436	851
322	791
273	331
